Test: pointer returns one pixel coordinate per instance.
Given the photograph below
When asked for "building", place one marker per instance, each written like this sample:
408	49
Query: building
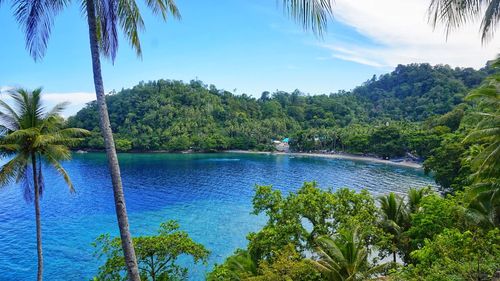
282	145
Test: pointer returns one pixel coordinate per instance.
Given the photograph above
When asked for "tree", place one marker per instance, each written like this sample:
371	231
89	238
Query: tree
236	267
456	255
415	197
156	255
446	163
386	141
455	13
434	215
487	131
344	257
484	208
288	265
32	138
104	18
394	219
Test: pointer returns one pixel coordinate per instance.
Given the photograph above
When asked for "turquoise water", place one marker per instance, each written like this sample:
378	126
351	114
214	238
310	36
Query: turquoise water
209	194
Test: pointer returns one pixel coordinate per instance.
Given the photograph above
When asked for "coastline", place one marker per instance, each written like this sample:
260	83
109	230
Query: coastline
408	164
344	156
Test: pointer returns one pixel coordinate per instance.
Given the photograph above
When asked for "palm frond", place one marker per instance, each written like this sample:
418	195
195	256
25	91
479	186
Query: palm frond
107	21
20	135
10	113
456	13
57	166
490	20
11	170
36	18
56	152
131	23
57	109
311	14
164	8
26	184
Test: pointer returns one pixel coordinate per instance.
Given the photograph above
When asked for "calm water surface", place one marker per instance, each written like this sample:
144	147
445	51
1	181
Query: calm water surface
209	194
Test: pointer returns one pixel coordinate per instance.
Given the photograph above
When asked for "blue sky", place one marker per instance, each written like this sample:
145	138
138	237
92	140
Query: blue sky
248	45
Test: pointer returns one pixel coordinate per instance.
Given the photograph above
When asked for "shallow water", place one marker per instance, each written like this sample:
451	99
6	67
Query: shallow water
209	194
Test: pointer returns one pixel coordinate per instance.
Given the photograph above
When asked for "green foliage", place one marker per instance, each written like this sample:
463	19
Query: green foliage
394	220
123	145
456	255
435	214
156	255
306	214
29	136
239	266
288	265
446	163
175	116
387	142
437	238
487	131
344	257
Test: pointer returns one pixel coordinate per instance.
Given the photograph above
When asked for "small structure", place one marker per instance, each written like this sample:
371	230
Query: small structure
281	146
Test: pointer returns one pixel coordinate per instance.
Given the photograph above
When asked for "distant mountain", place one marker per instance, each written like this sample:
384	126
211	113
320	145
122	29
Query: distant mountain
172	115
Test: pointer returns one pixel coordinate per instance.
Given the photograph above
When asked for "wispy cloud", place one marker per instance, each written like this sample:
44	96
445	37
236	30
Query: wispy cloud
75	97
4	89
77	100
401	35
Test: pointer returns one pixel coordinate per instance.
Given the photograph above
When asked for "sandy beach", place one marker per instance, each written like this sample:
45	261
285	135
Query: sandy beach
408	164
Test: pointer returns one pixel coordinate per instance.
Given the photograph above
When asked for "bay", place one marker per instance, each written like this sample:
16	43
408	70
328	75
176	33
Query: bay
209	194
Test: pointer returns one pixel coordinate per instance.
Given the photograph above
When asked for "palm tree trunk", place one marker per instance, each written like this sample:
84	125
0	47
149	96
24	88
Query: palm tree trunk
114	168
39	275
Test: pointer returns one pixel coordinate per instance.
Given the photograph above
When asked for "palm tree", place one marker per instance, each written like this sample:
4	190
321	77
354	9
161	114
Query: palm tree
455	13
415	196
104	18
484	208
344	258
394	218
487	131
31	137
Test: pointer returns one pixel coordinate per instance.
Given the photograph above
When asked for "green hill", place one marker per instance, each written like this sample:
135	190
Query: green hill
174	116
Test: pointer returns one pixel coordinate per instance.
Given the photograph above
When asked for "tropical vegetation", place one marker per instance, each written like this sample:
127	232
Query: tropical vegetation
33	139
156	255
407	110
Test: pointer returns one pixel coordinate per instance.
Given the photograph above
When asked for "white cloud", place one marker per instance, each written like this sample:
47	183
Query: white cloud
401	35
76	97
77	100
4	89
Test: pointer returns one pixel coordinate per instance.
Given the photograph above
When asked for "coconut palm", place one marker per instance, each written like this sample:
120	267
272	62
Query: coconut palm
29	138
104	19
455	13
344	258
487	131
394	219
415	196
484	208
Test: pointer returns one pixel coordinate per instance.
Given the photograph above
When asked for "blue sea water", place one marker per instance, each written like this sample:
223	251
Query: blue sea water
209	194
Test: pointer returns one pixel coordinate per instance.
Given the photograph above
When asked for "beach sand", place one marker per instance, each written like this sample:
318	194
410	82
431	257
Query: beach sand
408	164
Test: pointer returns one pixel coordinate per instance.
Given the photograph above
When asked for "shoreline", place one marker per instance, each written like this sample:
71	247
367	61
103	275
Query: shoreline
408	164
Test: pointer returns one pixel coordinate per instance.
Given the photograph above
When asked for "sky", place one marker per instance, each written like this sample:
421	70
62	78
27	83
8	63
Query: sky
244	46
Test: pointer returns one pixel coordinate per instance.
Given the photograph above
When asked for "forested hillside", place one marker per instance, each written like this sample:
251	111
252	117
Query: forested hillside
382	116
